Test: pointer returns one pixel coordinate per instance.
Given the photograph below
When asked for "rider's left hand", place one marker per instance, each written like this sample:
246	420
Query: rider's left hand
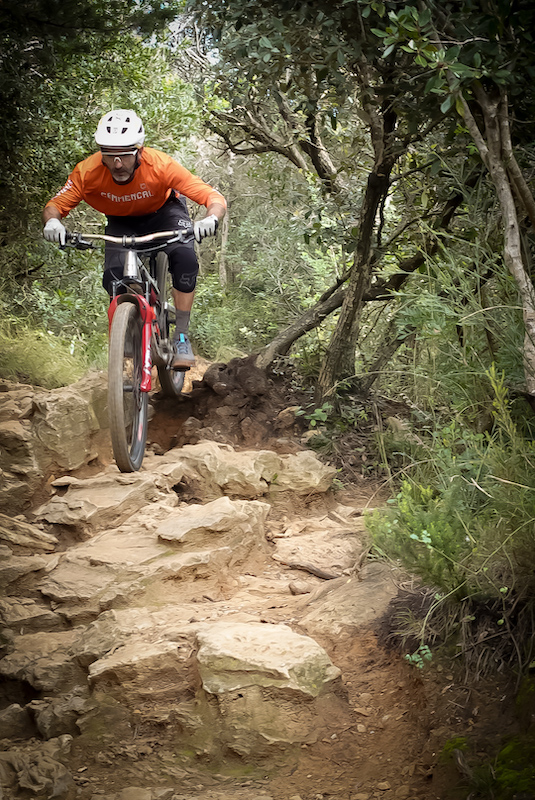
205	227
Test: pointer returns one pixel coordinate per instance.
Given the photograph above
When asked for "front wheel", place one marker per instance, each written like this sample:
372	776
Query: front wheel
171	380
127	404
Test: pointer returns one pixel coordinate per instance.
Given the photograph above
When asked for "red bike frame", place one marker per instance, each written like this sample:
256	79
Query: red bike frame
148	317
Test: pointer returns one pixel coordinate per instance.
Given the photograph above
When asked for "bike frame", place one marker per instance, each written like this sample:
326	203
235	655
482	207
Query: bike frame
133	277
139	337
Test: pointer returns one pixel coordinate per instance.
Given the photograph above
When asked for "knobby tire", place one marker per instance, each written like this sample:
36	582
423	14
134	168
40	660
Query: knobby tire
171	380
127	404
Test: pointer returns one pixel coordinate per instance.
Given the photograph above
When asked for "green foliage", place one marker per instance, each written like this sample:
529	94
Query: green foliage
317	415
225	324
508	776
448	750
511	775
515	770
486	39
427	532
420	657
458	313
28	355
464	518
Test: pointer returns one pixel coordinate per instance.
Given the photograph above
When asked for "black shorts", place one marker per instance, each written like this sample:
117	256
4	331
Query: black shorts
183	263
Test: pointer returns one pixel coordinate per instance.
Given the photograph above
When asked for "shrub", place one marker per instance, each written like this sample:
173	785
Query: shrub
463	521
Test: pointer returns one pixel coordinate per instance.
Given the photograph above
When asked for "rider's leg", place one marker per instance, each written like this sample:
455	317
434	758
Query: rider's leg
184	267
183	304
113	267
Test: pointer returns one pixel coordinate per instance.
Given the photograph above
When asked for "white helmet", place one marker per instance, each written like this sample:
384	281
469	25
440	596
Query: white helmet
121	128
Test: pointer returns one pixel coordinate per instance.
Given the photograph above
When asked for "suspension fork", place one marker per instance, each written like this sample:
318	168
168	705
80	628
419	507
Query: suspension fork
148	318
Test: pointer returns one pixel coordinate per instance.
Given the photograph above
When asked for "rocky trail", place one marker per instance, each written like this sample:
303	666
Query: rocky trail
209	628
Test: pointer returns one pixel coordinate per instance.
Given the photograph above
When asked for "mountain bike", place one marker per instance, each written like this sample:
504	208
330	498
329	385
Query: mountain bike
140	316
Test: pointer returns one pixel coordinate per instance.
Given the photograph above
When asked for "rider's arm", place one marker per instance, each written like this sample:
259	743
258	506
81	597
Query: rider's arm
215	212
194	188
50	212
217	209
68	196
59	206
54	230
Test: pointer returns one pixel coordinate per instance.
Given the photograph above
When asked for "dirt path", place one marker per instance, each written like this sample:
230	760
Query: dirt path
386	733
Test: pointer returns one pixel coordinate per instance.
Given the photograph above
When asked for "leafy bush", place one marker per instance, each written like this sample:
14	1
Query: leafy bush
227	323
463	521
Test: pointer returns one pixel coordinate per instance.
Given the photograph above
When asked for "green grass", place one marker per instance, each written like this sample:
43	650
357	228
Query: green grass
38	357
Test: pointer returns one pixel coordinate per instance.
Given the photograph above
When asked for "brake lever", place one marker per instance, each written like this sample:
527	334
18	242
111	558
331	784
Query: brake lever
76	240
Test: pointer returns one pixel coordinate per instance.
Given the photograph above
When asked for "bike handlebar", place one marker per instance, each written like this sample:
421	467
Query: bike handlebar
82	241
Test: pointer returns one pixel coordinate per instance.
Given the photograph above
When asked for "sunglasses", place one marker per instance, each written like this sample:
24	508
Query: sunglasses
121	155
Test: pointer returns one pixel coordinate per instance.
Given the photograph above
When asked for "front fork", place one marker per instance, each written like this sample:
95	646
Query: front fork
148	318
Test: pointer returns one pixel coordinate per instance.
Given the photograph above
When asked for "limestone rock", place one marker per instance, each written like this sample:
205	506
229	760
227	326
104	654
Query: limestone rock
16	448
62	424
246	474
39	428
14	567
350	602
197	522
145	655
252	473
19	467
300	587
99	502
58	716
321	542
17	533
138	793
235	655
15	723
44	660
142	669
16	401
106	722
115	565
272	687
134	793
27	616
36	768
111	630
15	493
303	473
94	387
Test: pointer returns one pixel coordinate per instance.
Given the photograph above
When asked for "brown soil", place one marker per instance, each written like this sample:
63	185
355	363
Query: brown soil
394	744
390	742
388	746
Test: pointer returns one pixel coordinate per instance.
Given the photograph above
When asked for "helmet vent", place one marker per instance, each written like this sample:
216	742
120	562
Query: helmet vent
120	128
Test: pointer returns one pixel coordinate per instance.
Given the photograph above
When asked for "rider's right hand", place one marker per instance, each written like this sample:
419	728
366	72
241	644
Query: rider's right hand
54	231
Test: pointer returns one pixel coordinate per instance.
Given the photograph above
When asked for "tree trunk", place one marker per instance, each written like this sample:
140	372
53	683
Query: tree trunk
339	360
312	318
389	344
494	148
333	298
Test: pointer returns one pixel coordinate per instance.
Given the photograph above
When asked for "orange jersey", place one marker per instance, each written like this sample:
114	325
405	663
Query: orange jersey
157	175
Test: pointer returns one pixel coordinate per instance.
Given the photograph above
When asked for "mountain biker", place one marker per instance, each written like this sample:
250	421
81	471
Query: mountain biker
140	190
